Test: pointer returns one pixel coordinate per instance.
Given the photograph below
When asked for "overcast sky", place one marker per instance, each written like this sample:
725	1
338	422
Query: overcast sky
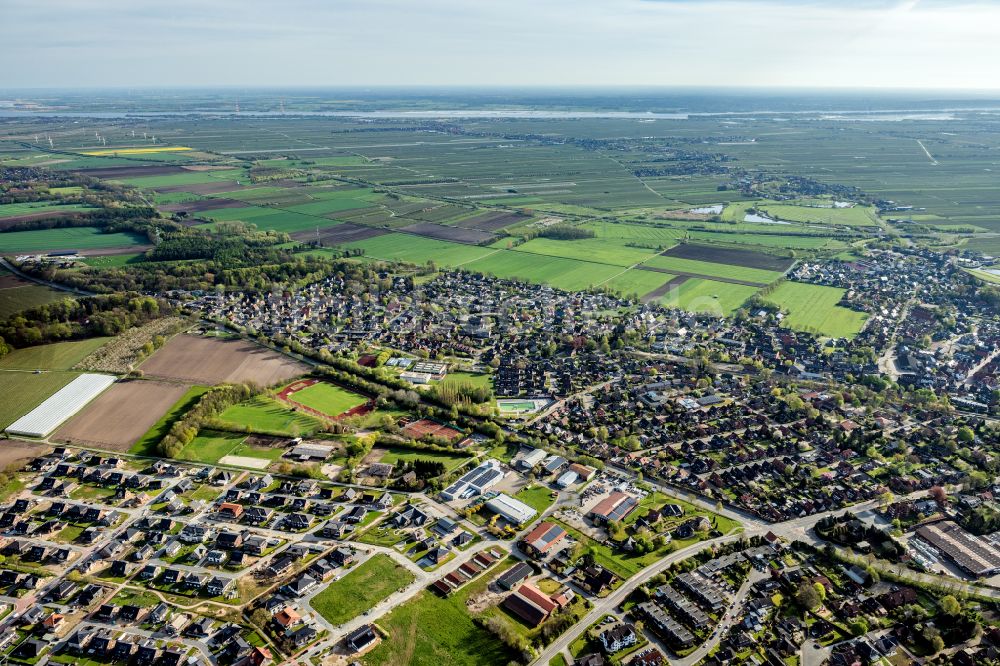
818	43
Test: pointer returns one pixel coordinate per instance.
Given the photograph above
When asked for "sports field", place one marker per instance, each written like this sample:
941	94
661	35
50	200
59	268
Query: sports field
262	414
813	308
328	399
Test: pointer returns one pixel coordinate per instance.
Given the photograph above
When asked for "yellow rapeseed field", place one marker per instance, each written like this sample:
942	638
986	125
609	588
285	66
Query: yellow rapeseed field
136	151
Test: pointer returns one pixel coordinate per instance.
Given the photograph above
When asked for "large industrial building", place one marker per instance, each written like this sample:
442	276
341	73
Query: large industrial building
513	511
475	482
972	554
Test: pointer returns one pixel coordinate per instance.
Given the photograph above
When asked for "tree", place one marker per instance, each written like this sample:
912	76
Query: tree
950	605
807	596
966	435
820	591
858	627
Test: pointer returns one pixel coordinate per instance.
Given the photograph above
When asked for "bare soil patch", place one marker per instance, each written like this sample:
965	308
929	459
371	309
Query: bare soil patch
443	232
722	255
11	281
131	171
663	289
201	360
203	188
121	415
340	233
492	221
202	205
15	452
107	251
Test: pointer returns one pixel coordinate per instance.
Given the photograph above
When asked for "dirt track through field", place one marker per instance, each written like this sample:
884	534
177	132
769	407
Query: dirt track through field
663	289
121	415
203	360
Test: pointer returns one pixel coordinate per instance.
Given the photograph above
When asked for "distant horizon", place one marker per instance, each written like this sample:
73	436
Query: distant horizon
789	44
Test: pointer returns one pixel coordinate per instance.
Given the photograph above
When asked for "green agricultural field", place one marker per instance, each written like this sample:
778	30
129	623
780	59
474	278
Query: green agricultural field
430	631
146	446
813	308
328	399
23	391
597	250
396	455
709	269
265	415
637	282
664	236
698	295
69	238
188	178
418	250
55	356
16	299
113	260
210	446
568	274
858	216
364	586
993	278
16	209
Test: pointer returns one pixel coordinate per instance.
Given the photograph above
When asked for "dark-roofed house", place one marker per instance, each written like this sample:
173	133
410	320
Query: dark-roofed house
514	575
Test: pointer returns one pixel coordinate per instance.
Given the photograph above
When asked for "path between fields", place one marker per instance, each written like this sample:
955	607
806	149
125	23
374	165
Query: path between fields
927	152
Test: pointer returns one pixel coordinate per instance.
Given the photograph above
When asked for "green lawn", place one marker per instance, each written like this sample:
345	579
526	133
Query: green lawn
69	238
114	260
430	631
23	391
209	446
328	398
698	295
146	446
262	452
265	415
56	356
813	308
362	588
538	497
395	455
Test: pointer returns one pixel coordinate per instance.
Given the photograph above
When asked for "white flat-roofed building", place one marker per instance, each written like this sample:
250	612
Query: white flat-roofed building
64	403
475	482
512	510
